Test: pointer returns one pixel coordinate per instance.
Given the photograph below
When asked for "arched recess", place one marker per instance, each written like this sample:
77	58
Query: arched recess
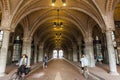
15	47
99	45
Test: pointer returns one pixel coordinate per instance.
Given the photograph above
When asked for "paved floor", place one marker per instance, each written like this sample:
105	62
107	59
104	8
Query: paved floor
61	70
58	69
10	69
102	71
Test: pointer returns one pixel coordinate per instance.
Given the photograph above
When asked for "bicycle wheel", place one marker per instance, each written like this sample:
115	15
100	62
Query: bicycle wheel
22	77
14	76
85	74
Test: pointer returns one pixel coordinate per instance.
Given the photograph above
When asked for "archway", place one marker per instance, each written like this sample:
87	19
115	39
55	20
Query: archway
99	45
16	41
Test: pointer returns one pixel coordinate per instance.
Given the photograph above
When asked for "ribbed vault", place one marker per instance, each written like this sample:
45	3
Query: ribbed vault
38	16
42	15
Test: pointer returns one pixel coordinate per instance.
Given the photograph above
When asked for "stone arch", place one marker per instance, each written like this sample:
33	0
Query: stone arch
111	4
73	8
6	5
33	30
116	12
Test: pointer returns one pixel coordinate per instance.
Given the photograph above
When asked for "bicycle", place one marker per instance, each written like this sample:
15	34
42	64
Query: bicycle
85	72
19	74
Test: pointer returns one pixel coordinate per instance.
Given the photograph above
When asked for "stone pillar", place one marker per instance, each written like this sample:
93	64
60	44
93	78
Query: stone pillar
110	26
40	53
4	51
80	52
89	51
111	53
57	53
79	49
35	53
70	54
75	53
27	48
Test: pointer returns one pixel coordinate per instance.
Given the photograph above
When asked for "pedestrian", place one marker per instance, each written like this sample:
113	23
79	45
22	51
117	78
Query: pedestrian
84	62
45	61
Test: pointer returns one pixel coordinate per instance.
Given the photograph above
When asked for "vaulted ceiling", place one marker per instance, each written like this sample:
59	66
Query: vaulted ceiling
39	17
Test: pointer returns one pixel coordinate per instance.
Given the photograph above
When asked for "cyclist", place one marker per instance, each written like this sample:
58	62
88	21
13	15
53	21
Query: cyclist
23	64
84	62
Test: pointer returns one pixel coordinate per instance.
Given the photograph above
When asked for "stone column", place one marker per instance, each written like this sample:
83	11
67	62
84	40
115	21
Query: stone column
79	48
75	53
57	53
110	26
111	53
80	52
35	53
27	48
89	51
4	51
70	54
40	53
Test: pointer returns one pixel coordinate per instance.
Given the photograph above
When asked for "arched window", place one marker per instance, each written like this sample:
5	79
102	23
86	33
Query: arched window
54	53
60	53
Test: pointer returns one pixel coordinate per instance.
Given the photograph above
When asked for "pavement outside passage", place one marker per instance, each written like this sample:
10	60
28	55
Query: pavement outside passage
59	69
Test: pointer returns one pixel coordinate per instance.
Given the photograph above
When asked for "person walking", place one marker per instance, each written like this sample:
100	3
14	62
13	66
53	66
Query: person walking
45	61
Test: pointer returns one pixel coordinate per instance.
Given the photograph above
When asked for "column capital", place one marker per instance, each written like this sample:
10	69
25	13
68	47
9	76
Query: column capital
109	21
88	39
74	46
36	42
109	30
70	49
79	42
41	46
5	29
6	23
27	39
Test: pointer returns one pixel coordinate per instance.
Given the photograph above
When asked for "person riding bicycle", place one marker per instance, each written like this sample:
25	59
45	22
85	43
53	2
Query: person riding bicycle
23	64
84	62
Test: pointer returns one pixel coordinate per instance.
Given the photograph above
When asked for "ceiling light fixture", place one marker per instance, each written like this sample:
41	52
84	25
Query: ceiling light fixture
58	23
64	2
53	2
